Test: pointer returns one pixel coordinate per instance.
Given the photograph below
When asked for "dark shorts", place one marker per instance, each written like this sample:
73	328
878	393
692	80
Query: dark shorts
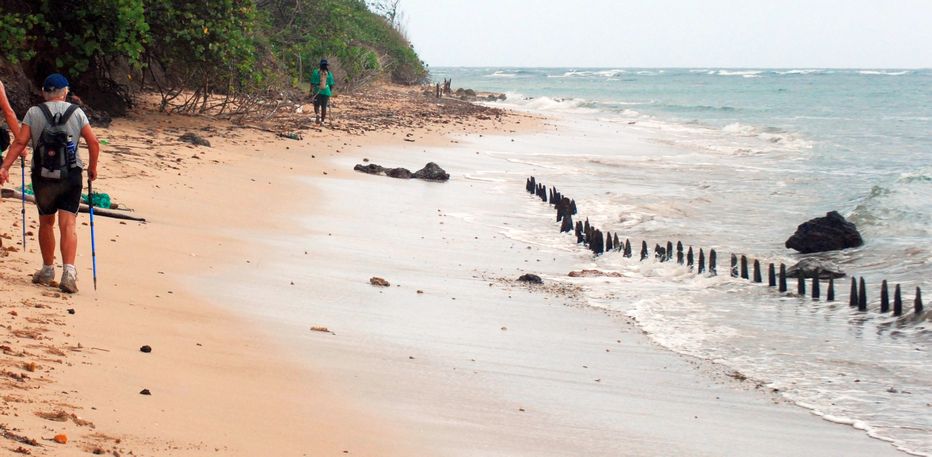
322	100
53	195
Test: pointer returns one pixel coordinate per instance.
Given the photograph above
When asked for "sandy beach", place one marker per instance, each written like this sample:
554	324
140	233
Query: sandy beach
255	240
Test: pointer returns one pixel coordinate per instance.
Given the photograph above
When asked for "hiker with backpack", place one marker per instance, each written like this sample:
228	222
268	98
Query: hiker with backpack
53	129
321	90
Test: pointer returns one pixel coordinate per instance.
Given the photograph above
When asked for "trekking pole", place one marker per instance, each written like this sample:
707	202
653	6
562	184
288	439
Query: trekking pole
22	169
90	205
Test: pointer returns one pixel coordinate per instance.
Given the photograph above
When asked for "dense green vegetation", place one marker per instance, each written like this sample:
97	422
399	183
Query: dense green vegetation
232	48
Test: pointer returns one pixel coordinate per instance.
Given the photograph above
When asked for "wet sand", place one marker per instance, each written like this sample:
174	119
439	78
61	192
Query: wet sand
244	255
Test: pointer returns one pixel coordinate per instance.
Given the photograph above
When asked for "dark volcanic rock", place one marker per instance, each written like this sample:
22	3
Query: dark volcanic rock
809	267
372	168
531	278
194	139
825	234
432	172
400	173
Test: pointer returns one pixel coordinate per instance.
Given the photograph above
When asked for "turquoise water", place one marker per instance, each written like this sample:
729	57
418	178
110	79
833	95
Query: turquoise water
735	160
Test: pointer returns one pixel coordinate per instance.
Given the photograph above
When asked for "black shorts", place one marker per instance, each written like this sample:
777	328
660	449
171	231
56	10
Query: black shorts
53	195
322	100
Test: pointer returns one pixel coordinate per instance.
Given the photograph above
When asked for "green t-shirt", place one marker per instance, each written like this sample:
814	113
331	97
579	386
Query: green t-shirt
315	83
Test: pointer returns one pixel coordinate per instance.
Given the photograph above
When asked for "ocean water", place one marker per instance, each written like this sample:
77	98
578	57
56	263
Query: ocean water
734	160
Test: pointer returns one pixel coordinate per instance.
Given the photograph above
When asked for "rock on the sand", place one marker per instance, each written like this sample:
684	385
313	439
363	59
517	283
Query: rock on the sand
809	267
432	172
400	173
377	281
827	233
531	278
194	139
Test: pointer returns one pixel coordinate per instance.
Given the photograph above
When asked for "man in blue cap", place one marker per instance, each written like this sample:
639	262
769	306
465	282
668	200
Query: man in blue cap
321	85
53	129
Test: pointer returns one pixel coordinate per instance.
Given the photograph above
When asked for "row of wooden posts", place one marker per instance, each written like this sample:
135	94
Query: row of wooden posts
600	243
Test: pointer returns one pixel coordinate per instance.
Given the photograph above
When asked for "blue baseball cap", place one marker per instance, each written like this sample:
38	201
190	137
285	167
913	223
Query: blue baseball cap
323	62
54	82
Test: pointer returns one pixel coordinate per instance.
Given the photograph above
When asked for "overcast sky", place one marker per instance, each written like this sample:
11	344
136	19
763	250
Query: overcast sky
668	33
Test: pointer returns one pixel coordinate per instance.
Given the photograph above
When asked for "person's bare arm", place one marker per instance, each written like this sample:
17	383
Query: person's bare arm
93	151
18	148
8	113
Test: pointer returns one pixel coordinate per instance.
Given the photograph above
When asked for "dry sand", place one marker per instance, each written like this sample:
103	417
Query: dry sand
218	384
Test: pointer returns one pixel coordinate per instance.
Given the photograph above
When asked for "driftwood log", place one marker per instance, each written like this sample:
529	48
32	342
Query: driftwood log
10	193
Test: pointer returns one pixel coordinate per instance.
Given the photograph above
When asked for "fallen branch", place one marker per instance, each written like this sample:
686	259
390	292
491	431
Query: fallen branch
10	193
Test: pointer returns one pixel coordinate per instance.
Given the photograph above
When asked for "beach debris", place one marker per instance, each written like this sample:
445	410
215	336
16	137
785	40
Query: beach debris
145	392
530	278
71	311
419	291
321	328
8	434
593	274
61	438
62	416
30	366
194	139
828	233
379	282
809	267
146	348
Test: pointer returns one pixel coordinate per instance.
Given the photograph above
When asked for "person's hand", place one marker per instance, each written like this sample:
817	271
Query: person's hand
92	173
4	175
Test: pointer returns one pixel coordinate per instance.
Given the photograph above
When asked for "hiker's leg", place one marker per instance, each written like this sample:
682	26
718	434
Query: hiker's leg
69	237
47	239
324	105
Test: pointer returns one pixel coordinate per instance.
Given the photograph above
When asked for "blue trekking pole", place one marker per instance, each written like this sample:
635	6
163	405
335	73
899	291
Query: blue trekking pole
90	205
22	168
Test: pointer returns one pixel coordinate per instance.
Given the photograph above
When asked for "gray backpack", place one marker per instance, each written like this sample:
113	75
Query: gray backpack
57	150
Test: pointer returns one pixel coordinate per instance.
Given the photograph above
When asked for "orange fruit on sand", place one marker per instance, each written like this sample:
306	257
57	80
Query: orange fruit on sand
61	438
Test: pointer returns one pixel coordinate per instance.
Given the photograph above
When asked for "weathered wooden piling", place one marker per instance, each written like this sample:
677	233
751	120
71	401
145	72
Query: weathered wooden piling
567	225
862	296
550	195
659	253
782	278
608	242
669	251
712	259
679	252
772	276
744	267
627	248
757	275
689	258
853	299
618	245
897	301
884	297
573	206
580	235
527	185
643	250
830	296
816	293
734	266
917	303
800	285
701	268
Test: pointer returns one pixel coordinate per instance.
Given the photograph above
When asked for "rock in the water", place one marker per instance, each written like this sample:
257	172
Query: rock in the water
377	281
825	234
194	139
400	173
432	172
809	267
531	278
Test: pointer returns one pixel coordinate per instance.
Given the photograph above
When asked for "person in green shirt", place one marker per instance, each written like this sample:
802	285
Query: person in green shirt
321	92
